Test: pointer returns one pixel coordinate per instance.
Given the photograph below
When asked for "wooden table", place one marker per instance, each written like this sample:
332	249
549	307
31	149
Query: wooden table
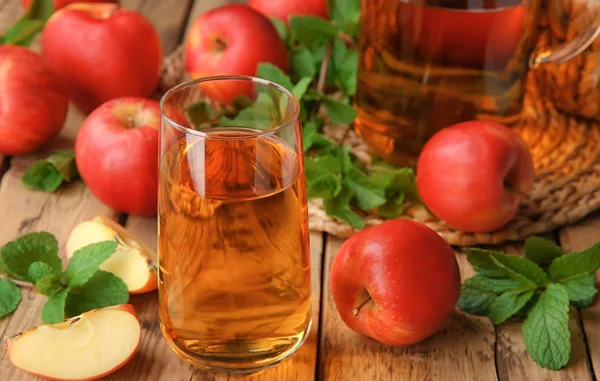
468	348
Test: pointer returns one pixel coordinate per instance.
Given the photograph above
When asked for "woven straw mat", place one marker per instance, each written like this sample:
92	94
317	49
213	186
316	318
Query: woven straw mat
564	145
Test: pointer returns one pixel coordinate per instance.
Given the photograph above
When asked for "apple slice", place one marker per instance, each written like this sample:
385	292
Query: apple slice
133	260
86	347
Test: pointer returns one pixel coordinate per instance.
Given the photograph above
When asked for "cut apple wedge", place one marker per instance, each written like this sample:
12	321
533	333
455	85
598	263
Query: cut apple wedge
133	260
86	347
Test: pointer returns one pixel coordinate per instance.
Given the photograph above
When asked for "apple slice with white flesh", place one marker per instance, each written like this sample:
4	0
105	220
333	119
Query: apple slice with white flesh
133	261
86	347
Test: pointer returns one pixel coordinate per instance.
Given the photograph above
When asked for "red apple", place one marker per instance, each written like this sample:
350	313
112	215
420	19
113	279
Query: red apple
232	40
116	154
396	282
102	52
473	175
58	4
33	101
283	9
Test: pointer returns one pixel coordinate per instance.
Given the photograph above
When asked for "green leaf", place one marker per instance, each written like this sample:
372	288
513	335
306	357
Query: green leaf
300	88
42	176
394	205
54	308
546	329
102	290
85	261
579	263
39	270
261	115
581	290
280	27
322	178
303	62
10	297
311	30
345	67
48	174
395	180
29	25
19	254
49	284
476	295
272	73
340	207
508	304
40	10
540	250
494	264
339	113
201	114
366	193
346	14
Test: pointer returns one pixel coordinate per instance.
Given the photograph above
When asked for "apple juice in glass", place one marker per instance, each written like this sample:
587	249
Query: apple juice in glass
428	64
234	271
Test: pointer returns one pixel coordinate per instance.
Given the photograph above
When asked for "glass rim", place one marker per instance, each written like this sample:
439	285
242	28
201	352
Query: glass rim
292	119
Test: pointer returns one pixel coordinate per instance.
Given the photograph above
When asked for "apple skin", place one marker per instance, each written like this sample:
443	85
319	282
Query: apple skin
123	307
474	175
232	40
116	154
58	4
115	52
411	275
34	101
283	9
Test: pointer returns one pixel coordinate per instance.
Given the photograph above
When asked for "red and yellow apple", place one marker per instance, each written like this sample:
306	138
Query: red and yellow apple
474	175
232	40
33	101
283	9
87	347
396	282
116	152
102	52
58	4
133	260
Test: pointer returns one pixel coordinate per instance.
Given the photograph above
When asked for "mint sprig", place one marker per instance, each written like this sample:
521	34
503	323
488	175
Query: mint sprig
49	174
34	258
539	287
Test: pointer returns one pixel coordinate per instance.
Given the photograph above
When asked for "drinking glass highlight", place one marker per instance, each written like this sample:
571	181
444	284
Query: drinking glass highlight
234	271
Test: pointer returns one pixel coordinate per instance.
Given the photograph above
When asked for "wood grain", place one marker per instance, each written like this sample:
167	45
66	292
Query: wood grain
462	350
578	237
513	362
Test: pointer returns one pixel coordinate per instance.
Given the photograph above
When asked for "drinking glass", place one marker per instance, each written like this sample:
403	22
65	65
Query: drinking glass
234	271
428	64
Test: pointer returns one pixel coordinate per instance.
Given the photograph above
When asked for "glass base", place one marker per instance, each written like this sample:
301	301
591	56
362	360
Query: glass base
240	357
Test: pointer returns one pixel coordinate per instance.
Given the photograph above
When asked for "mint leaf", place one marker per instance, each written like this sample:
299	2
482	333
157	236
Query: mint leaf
339	207
19	254
29	25
476	295
311	30
303	62
300	88
39	10
578	263
280	27
49	284
540	250
272	73
323	178
85	261
393	206
581	290
393	180
201	114
546	329
39	270
64	162
48	174
339	113
10	297
54	308
102	290
494	264
346	14
345	67
367	194
508	304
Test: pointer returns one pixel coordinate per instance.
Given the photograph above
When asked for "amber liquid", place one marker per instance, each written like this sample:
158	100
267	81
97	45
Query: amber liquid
233	251
427	64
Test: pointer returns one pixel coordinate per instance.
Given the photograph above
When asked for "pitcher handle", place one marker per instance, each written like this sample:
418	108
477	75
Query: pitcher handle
564	52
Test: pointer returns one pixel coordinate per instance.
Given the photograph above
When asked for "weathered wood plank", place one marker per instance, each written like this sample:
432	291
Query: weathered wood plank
513	362
577	237
462	350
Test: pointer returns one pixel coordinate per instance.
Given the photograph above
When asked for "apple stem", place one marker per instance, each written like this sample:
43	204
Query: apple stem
361	305
324	65
19	283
